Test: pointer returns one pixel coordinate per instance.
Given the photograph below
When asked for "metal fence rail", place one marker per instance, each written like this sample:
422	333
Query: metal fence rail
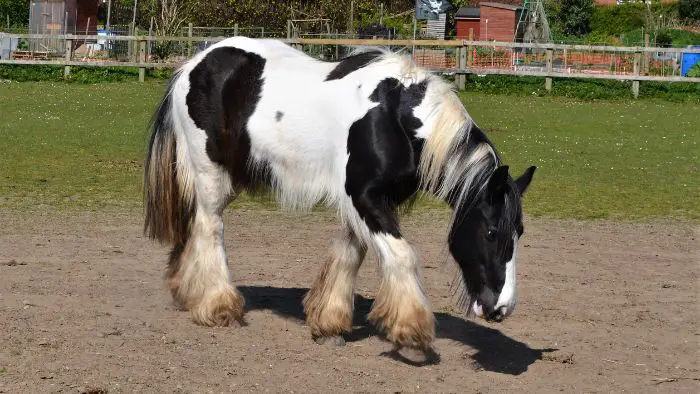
458	57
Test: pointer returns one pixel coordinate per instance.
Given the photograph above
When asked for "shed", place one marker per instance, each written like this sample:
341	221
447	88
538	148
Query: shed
55	17
63	16
435	28
467	18
498	21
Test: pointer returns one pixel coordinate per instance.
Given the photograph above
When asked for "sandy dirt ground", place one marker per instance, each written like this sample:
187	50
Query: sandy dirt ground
603	307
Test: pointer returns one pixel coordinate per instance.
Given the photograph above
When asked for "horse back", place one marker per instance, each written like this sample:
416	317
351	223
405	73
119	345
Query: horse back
273	115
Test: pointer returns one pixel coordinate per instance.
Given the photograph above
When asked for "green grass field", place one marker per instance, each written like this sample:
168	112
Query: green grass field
74	146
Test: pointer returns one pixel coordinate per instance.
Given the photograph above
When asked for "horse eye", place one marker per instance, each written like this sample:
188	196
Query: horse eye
491	235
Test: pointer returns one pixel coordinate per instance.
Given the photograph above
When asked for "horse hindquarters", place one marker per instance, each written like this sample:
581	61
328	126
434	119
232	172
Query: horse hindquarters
185	196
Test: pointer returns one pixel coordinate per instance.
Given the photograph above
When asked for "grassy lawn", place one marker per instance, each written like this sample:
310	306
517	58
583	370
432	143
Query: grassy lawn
82	146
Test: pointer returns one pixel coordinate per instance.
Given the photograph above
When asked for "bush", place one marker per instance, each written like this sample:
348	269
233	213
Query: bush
616	20
17	10
694	71
619	19
689	9
575	16
583	89
663	39
24	73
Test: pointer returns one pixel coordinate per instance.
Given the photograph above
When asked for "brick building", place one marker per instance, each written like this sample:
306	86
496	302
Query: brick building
465	19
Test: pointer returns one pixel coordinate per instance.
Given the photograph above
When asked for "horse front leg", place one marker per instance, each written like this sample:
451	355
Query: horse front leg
329	303
401	308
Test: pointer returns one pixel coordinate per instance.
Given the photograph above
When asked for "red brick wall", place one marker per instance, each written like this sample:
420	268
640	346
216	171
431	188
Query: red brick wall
501	26
463	26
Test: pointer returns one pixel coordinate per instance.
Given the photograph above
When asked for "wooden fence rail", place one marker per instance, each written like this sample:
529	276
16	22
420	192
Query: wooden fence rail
463	62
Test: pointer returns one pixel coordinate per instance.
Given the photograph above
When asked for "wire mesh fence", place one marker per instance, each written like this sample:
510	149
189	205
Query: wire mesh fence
122	44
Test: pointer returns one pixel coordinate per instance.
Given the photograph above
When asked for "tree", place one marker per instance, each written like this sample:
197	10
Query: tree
169	16
17	10
689	9
575	16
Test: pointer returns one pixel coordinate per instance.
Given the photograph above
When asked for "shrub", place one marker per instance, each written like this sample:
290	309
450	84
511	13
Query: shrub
689	9
694	71
584	89
24	73
616	20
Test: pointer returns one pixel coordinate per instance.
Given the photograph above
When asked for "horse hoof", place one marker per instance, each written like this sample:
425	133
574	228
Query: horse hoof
335	340
414	355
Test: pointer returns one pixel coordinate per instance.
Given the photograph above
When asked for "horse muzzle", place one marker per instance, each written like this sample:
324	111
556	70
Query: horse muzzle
496	315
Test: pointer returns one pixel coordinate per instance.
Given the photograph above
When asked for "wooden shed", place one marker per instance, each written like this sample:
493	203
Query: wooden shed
63	16
54	17
498	21
467	18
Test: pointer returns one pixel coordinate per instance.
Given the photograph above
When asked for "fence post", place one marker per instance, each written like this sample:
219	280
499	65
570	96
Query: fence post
189	43
142	59
566	58
130	44
647	55
548	80
635	71
235	29
470	49
462	77
69	53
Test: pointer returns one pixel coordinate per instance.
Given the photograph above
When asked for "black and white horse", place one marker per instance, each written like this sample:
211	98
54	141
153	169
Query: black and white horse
363	135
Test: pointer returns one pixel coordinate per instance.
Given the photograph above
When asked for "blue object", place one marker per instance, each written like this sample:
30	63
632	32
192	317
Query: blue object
689	60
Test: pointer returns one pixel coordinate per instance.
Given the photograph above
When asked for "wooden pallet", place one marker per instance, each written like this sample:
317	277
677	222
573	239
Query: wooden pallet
30	55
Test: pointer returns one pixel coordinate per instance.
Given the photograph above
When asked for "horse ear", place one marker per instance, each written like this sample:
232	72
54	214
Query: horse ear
498	181
524	181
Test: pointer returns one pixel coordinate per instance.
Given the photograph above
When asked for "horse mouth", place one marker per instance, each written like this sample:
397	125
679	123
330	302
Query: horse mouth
496	316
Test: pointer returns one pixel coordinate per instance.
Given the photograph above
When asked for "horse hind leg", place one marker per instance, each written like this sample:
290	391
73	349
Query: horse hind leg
329	303
198	275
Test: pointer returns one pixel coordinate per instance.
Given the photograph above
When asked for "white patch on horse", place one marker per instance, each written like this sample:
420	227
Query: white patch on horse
508	297
400	268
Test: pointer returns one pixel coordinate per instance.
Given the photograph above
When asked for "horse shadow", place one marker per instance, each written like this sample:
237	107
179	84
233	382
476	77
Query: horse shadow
496	352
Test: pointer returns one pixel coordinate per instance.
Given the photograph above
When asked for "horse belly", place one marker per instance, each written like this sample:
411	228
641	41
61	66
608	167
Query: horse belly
305	151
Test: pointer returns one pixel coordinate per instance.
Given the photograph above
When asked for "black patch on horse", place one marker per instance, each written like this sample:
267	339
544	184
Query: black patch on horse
224	91
279	115
382	168
352	63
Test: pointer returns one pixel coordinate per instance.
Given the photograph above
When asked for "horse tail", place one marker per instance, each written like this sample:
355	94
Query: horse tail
169	193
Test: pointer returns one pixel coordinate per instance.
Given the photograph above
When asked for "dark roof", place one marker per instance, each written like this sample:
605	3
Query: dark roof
468	12
501	5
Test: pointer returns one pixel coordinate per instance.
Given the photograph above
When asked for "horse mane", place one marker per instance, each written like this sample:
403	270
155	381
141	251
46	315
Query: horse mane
457	159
